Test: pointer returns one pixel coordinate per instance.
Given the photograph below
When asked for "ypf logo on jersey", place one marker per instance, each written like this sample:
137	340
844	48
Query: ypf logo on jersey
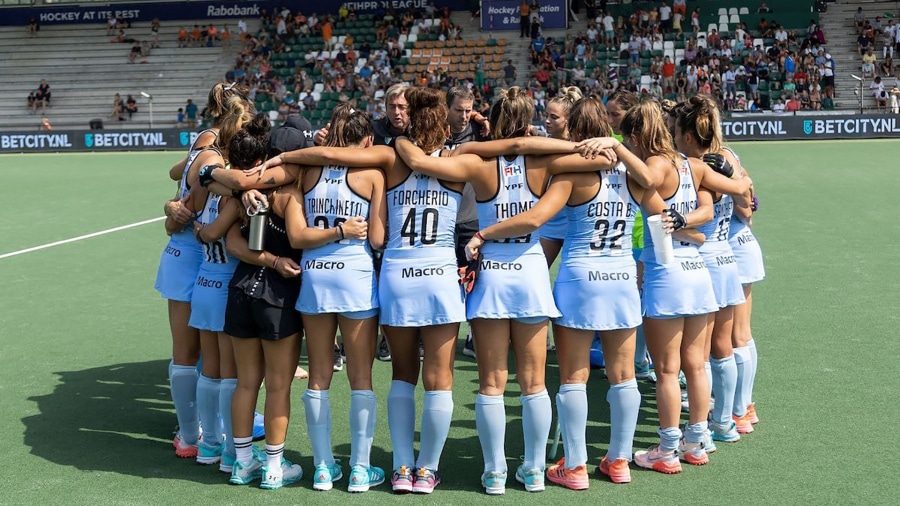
807	126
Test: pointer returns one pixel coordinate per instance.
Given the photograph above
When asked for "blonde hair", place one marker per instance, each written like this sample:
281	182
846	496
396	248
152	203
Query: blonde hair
394	92
234	115
218	97
700	117
587	118
645	121
567	97
427	118
511	114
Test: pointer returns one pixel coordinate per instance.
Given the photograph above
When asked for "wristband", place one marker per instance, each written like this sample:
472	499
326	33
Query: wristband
206	172
480	236
275	262
340	228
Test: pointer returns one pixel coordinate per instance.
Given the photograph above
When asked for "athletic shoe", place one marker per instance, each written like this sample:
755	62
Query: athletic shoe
326	475
726	434
744	423
208	455
533	479
618	471
338	360
642	371
575	479
751	410
384	351
363	478
402	480
692	453
469	347
273	479
343	353
226	465
658	460
244	474
708	444
494	483
259	427
425	480
182	449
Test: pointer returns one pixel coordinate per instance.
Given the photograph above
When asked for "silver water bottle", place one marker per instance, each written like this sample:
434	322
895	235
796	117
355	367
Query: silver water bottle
257	226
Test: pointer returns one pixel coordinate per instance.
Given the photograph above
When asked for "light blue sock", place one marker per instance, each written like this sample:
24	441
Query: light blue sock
437	413
743	361
724	373
669	438
318	425
640	346
624	403
709	378
208	406
363	408
755	364
490	422
183	383
695	432
537	416
401	408
226	392
572	409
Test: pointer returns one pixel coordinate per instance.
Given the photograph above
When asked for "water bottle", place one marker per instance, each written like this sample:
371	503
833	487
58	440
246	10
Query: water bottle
257	226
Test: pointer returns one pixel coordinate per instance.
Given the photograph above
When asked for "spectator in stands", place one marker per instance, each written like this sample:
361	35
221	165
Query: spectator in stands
190	110
879	93
509	71
182	37
763	9
859	20
179	118
131	106
154	32
196	35
863	42
868	63
887	40
111	25
695	20
524	19
535	30
887	67
33	27
135	52
45	124
29	105
118	109
778	106
895	100
212	35
41	97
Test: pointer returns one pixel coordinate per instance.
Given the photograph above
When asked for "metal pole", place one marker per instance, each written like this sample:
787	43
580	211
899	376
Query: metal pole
151	113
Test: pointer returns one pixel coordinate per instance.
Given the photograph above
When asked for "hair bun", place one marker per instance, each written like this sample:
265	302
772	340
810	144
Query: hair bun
259	125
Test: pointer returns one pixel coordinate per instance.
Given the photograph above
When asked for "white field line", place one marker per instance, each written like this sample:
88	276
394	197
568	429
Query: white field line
80	238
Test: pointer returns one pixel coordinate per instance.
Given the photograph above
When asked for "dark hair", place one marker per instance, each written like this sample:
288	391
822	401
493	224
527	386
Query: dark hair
348	127
700	117
427	118
460	92
250	143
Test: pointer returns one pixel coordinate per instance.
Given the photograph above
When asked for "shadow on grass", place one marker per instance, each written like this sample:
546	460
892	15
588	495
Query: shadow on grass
115	419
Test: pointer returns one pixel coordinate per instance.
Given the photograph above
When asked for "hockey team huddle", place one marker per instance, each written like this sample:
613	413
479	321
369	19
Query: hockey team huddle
435	216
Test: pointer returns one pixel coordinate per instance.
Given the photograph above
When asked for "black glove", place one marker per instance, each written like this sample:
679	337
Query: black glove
754	203
206	174
719	164
678	221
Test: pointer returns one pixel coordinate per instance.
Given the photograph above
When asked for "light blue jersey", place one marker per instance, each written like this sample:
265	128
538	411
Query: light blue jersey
211	289
745	246
719	257
338	277
514	280
419	285
596	288
683	287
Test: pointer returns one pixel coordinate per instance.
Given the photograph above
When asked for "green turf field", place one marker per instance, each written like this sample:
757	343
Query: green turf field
84	345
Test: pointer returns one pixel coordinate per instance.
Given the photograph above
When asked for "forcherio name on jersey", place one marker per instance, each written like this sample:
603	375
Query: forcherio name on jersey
125	140
34	141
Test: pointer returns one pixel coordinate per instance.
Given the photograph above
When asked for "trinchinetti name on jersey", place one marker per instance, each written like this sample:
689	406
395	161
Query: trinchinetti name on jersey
336	207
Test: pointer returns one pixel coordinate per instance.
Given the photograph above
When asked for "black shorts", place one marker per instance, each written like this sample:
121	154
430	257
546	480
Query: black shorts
464	233
250	318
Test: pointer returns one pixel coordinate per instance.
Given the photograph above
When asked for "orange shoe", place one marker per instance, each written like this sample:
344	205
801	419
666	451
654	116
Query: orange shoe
751	410
618	471
184	450
658	460
575	479
744	423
